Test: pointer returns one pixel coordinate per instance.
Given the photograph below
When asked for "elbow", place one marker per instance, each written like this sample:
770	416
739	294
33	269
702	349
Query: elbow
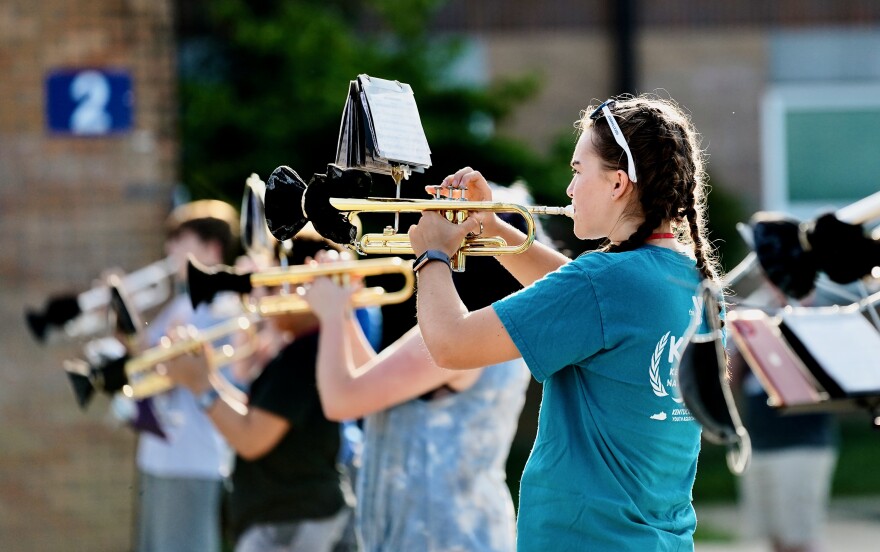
334	413
253	452
449	358
337	409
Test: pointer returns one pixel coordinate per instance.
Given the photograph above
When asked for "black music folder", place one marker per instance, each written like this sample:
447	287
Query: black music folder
381	128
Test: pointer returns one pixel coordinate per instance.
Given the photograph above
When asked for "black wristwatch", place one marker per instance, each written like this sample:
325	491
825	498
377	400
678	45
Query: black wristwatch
431	255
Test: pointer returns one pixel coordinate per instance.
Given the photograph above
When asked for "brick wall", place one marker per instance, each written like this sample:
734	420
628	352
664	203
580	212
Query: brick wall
70	208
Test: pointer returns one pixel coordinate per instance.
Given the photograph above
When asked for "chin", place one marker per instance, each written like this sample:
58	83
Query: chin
586	235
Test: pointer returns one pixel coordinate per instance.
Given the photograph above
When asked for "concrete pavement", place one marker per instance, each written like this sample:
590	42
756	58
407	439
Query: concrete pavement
853	526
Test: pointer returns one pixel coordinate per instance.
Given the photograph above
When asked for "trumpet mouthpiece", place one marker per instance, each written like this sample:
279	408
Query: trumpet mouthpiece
568	210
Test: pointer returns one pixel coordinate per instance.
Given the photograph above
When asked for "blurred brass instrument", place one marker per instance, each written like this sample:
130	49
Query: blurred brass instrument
205	283
85	314
455	210
137	376
256	239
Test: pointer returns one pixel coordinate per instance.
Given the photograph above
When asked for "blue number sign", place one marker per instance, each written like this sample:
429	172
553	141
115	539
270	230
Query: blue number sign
89	102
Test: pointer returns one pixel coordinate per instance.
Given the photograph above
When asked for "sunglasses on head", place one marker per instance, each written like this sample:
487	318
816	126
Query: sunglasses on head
605	109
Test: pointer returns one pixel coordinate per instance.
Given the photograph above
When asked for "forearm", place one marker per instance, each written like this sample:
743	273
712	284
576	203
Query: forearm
335	364
442	316
232	420
359	346
532	264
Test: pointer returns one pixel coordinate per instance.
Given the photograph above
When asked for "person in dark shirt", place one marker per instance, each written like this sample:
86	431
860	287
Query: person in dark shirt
288	492
785	492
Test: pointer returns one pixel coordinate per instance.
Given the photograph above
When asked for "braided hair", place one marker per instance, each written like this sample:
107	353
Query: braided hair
669	163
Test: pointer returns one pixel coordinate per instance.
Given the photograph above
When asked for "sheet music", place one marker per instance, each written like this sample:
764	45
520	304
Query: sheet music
846	345
381	128
342	147
395	121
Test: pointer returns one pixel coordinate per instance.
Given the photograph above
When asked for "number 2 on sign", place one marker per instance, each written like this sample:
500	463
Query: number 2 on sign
91	91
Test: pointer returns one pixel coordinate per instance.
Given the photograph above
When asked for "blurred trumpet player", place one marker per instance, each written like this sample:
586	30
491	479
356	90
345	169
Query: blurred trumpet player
287	493
435	441
180	476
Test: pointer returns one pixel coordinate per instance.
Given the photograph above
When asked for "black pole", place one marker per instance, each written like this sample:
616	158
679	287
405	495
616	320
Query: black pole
624	39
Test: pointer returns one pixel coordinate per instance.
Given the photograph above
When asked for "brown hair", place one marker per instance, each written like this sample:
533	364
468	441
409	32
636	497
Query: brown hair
672	183
210	220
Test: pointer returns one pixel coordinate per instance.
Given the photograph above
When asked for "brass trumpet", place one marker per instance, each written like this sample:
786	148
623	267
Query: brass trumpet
455	210
84	314
205	283
136	376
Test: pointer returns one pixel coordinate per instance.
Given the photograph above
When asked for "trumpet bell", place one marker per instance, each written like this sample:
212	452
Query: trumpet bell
255	237
205	283
337	182
283	206
57	312
289	202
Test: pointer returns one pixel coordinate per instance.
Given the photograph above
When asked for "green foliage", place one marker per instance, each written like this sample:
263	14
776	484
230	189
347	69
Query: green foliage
725	211
272	83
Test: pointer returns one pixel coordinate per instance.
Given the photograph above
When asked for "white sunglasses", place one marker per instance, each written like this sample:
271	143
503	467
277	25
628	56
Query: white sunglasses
605	109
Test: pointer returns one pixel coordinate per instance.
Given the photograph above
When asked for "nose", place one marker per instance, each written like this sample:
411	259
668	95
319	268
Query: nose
570	190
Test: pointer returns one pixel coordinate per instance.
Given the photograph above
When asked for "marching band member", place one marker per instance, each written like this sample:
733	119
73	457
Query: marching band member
615	457
180	476
288	493
436	442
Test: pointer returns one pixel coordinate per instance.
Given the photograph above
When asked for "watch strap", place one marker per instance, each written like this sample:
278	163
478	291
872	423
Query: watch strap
207	399
431	255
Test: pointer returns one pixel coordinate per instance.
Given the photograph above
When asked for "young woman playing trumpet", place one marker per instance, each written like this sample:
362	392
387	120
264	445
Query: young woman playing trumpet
616	452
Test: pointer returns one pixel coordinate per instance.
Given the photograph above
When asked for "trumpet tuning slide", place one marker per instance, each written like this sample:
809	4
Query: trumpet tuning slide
284	203
204	283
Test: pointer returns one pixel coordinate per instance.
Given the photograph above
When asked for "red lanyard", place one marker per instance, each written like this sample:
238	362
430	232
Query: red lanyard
660	236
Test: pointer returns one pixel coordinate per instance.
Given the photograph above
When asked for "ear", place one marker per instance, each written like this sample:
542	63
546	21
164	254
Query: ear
621	185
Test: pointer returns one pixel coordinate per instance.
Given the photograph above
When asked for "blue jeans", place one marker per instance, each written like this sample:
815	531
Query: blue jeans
178	514
312	535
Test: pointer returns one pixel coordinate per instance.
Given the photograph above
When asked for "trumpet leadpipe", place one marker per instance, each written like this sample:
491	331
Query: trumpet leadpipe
135	282
143	379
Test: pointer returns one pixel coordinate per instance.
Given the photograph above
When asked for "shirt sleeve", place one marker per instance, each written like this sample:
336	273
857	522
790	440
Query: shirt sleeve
555	322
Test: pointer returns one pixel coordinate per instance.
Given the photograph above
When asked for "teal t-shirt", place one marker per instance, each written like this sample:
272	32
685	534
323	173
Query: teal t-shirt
616	452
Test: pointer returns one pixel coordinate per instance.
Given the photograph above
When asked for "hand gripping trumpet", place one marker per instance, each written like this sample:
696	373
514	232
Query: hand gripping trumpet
137	376
337	218
455	210
205	283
